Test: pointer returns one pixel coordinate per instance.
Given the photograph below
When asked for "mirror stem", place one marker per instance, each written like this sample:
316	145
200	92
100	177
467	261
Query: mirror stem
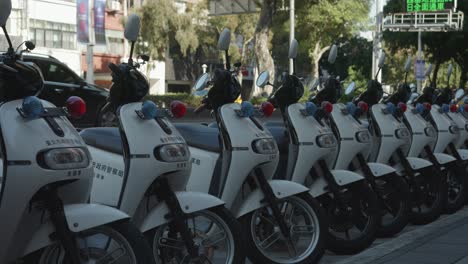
294	67
10	49
406	76
377	74
130	60
228	63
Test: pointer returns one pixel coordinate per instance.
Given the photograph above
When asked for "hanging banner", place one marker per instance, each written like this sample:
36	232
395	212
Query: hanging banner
100	21
429	5
82	12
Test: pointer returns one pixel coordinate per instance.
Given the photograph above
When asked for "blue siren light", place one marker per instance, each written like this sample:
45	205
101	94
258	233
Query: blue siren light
420	108
32	107
149	109
445	108
351	108
247	109
310	108
390	108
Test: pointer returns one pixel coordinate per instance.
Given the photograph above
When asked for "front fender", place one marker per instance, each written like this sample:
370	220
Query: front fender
79	217
415	163
463	153
281	189
190	202
342	177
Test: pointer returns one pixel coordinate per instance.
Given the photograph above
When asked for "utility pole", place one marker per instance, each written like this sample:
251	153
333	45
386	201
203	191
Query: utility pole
90	46
291	31
125	13
377	43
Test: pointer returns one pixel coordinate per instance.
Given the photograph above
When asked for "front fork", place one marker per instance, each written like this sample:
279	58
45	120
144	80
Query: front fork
272	201
165	193
65	236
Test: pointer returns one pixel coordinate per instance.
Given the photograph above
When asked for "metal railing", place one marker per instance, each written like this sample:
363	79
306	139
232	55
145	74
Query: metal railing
425	21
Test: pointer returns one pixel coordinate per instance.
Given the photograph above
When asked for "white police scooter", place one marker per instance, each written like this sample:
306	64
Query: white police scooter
308	159
452	165
355	143
281	221
143	167
46	177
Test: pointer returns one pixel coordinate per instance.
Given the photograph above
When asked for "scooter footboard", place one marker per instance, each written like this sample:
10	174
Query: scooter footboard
379	169
342	178
190	202
79	217
444	159
463	153
415	163
281	189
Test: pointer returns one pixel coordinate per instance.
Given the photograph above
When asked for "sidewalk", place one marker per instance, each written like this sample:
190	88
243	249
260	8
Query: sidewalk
444	241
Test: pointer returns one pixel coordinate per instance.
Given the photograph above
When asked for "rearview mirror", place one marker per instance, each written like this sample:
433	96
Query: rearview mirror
382	60
5	9
428	70
262	79
293	49
224	40
315	84
459	94
333	54
132	28
408	64
202	82
350	88
449	71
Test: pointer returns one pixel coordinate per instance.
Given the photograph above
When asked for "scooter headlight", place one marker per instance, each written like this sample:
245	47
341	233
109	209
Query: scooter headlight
363	136
326	141
430	131
264	146
402	133
454	129
172	153
63	159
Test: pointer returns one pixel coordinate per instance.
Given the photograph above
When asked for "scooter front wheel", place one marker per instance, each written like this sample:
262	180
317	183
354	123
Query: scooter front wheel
304	219
457	188
117	243
215	232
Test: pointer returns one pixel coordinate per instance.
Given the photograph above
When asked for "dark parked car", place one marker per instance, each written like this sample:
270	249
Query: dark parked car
61	82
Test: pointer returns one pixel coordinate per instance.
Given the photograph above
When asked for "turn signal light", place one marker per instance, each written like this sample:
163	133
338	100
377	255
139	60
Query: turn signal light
267	109
178	109
76	106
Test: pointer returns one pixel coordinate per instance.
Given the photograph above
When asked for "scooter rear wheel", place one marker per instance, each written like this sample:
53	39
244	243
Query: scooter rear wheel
305	219
117	243
434	188
395	201
361	219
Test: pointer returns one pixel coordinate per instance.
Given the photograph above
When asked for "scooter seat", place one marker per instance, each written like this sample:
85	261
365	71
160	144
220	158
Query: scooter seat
200	136
105	138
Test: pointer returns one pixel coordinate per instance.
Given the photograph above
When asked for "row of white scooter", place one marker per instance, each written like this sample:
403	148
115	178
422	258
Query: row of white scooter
212	193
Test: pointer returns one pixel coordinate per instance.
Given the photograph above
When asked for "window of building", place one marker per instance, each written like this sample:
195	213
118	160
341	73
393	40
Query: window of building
52	34
116	46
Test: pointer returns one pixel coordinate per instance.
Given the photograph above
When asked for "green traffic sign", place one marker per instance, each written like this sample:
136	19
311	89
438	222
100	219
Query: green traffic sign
429	5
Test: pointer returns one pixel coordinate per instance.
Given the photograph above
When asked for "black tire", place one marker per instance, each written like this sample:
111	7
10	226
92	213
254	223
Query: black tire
256	256
356	194
394	195
436	185
456	188
234	227
136	241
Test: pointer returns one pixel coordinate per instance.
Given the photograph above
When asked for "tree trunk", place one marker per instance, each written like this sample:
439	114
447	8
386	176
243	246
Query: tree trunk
247	90
263	56
463	76
316	56
434	74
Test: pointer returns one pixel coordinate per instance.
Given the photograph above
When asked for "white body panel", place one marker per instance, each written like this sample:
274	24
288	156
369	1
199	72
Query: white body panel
379	169
190	202
463	153
280	188
462	124
417	126
443	125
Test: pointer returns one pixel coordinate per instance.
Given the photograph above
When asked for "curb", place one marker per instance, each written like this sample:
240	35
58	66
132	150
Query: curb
405	239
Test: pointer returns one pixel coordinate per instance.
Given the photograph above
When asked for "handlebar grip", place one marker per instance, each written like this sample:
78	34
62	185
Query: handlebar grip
200	108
